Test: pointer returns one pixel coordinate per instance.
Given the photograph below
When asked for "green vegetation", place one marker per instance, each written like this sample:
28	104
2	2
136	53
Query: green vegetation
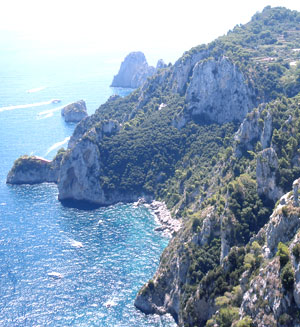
287	272
195	171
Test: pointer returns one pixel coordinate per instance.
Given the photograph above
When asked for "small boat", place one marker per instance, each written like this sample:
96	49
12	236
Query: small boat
55	101
55	275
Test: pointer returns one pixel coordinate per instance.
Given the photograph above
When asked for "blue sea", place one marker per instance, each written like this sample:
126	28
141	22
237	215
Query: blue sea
102	256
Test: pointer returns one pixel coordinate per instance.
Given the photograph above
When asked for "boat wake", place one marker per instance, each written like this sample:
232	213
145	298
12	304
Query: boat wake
29	105
37	89
48	113
57	145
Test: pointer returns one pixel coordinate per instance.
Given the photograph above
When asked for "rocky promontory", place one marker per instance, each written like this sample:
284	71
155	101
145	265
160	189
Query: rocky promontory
35	170
74	112
133	72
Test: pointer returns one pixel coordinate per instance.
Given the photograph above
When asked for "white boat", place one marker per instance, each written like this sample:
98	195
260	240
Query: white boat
55	275
55	101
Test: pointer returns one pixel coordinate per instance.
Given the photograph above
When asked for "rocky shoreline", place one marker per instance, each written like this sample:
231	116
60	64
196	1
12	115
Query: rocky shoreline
162	216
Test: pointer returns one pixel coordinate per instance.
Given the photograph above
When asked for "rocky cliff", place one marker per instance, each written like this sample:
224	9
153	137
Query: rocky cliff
218	92
74	112
133	72
34	170
192	137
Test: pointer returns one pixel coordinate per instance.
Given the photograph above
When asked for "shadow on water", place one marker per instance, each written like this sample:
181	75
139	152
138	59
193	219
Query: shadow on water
80	204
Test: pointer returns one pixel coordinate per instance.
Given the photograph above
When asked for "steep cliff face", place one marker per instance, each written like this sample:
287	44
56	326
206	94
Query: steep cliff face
165	293
218	92
273	294
34	170
79	174
133	72
266	168
183	69
256	127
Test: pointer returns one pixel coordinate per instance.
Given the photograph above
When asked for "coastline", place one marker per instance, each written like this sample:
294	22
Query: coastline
167	225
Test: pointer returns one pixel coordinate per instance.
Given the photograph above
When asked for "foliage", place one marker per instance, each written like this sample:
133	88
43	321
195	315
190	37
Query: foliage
287	277
245	322
296	251
248	209
227	316
283	253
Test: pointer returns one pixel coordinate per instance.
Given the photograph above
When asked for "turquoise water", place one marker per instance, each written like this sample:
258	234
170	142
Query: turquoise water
103	256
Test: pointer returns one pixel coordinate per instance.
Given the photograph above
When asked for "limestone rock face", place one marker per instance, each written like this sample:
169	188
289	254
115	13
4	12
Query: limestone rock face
266	167
165	292
162	294
183	69
34	170
255	127
266	288
282	226
74	112
296	264
79	173
218	92
133	72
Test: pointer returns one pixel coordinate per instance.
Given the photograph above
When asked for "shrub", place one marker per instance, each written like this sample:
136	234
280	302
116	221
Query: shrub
245	322
296	251
227	316
283	253
287	277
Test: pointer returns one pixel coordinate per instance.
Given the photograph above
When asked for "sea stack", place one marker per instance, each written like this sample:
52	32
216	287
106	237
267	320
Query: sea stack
133	72
74	112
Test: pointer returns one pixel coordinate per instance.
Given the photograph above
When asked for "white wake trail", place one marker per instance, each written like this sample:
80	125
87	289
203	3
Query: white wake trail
29	105
57	145
37	89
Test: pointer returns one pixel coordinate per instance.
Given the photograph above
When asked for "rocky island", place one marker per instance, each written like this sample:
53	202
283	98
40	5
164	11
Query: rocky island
74	112
216	138
134	71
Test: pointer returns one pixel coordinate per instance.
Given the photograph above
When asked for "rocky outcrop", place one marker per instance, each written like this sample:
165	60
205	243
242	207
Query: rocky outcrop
256	127
79	173
165	292
34	170
218	92
266	167
296	265
160	64
183	69
264	301
162	294
133	72
95	131
282	226
74	112
79	176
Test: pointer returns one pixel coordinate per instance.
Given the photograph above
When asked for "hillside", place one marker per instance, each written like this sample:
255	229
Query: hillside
215	136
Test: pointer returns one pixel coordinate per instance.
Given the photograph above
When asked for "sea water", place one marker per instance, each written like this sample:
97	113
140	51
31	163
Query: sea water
63	266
